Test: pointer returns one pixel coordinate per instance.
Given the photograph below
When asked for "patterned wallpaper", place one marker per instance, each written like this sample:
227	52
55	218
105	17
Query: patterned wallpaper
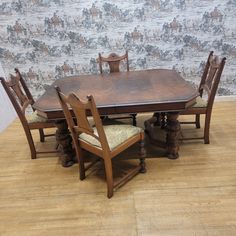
49	39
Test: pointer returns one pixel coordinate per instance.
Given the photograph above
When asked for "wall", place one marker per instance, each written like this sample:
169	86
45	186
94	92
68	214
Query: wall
7	112
48	39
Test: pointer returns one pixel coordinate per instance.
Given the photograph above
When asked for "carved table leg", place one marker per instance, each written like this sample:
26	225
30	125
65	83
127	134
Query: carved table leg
149	126
156	116
160	119
173	131
64	140
149	130
163	120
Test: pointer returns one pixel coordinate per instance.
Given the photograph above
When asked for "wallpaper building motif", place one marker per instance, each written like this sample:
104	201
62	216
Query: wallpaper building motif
49	39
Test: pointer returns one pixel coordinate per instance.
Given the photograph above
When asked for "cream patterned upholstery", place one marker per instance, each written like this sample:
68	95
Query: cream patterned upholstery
116	135
200	103
34	118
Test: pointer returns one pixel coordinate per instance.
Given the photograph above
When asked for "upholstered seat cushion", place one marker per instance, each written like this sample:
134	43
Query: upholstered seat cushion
200	103
34	118
116	135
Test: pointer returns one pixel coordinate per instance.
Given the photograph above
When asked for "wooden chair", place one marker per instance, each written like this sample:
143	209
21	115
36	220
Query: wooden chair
207	88
21	99
114	61
104	141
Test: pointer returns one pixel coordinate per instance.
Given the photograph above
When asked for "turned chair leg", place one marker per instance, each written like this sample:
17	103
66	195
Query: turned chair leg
134	119
142	155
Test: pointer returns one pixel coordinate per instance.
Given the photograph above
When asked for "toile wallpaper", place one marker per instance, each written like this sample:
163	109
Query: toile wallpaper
49	39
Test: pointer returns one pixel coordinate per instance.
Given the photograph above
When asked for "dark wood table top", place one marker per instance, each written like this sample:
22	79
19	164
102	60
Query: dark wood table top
123	92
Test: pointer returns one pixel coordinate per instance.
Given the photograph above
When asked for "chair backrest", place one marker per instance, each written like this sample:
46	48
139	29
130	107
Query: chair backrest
113	61
18	94
211	77
82	110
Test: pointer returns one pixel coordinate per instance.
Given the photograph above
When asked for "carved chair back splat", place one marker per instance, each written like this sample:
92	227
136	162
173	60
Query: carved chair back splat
114	62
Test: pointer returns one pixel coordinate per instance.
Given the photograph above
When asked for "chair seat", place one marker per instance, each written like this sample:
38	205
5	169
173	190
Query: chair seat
200	103
34	118
116	135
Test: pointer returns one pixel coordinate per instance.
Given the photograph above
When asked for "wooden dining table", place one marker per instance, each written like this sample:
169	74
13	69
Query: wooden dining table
154	90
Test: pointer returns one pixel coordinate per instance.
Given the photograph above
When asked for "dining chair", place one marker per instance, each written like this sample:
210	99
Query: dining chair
105	141
21	99
207	91
114	62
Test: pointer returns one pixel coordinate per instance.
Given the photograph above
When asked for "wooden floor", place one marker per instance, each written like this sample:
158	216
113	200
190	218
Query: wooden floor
193	195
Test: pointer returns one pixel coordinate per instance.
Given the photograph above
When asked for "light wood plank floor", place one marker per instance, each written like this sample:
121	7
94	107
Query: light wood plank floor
193	195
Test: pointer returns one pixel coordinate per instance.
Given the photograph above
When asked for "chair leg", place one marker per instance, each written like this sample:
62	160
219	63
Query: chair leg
81	163
33	152
134	119
197	120
142	155
31	143
41	134
207	129
109	176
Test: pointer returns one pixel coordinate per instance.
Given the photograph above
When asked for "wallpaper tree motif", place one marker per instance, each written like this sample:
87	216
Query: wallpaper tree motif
49	39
